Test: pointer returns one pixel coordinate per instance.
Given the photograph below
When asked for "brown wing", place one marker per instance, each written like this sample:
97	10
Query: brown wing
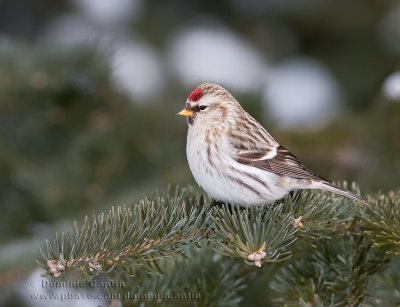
282	163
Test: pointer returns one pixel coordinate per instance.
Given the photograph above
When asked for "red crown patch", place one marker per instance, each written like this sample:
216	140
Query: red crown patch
196	94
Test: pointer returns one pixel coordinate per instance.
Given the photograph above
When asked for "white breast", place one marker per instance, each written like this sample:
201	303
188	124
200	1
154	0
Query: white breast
222	177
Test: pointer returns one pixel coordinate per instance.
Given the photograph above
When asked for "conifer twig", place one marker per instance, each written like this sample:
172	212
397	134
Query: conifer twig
149	229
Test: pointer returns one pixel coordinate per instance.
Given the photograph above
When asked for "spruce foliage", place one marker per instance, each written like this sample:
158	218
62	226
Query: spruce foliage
314	248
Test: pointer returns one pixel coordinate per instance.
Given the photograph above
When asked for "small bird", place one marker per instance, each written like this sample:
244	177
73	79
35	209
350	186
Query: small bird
235	160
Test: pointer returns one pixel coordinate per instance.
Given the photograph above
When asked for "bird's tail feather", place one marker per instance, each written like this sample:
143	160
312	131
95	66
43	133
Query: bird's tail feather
325	185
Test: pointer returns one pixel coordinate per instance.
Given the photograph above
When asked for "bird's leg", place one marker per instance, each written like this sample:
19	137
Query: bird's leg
216	203
231	208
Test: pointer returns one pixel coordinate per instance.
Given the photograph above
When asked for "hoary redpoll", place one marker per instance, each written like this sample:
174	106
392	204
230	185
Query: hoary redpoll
234	159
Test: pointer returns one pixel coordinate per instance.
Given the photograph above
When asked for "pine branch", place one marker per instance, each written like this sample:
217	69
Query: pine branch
152	228
337	271
384	286
381	222
210	278
316	302
258	234
329	238
265	233
320	215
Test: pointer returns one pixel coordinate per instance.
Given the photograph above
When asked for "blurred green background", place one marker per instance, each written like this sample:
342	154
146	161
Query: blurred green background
89	91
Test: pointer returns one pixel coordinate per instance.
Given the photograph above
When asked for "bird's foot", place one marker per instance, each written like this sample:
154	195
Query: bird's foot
218	204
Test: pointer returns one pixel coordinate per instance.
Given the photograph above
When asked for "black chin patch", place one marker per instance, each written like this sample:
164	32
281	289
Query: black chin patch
190	120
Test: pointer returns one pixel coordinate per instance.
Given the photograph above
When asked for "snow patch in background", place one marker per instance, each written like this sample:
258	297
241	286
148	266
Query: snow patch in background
301	93
110	12
136	67
72	30
391	86
137	70
203	54
36	291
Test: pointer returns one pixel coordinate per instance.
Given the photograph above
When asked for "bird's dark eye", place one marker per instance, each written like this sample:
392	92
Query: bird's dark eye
203	107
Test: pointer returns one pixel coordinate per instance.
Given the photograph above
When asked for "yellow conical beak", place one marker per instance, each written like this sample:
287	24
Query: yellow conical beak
186	112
